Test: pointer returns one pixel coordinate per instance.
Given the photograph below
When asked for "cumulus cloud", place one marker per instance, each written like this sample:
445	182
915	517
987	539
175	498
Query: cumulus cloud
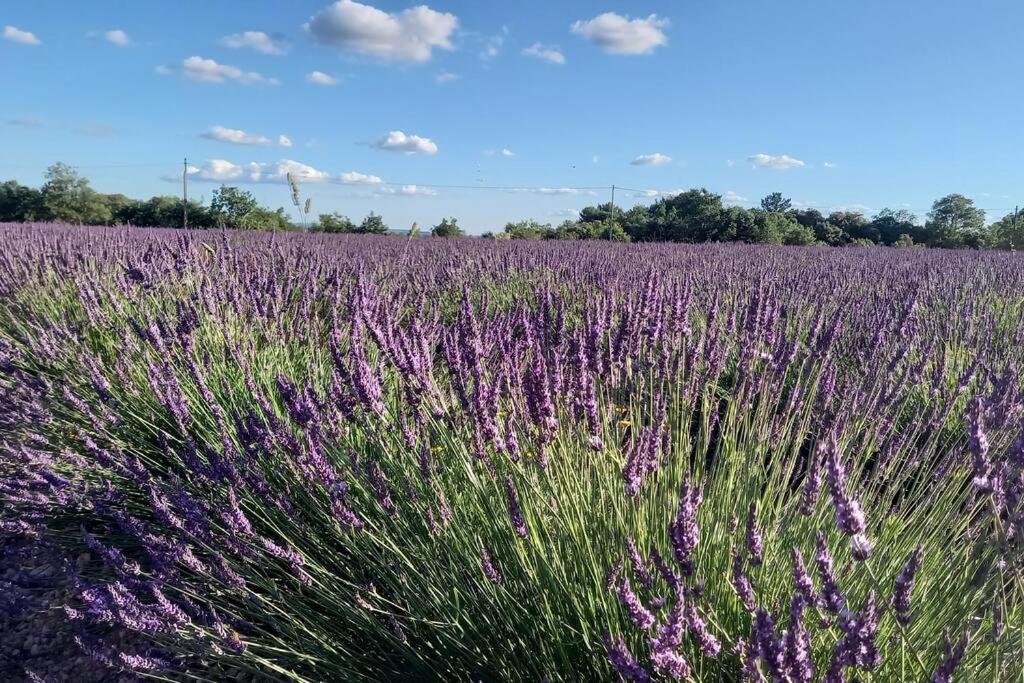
443	77
647	193
829	164
209	71
731	197
320	78
656	159
775	161
397	141
621	35
408	191
235	136
255	40
16	35
551	55
356	178
117	37
408	36
505	152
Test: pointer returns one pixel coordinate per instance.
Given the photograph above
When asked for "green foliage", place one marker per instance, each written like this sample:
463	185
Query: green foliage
776	203
448	227
67	198
529	230
335	223
953	222
1008	231
19	203
372	225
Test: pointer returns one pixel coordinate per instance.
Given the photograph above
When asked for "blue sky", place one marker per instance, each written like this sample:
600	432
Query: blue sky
418	112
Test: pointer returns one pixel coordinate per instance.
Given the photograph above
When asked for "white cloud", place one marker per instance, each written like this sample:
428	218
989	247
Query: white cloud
408	191
505	152
828	164
647	193
730	163
235	136
117	37
551	55
551	190
443	77
565	213
208	71
731	197
409	35
320	78
651	194
221	170
356	178
16	35
397	141
656	159
775	161
255	40
621	35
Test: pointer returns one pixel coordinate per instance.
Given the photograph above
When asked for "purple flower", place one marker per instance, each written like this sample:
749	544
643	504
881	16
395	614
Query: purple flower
849	516
623	660
755	544
950	660
684	533
515	512
488	566
705	639
904	585
769	646
831	596
977	442
640	615
797	642
801	577
640	571
741	582
664	655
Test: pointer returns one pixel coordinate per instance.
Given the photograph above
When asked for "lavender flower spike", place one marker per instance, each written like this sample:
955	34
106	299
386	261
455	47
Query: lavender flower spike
951	660
904	585
640	615
623	660
684	532
755	543
515	512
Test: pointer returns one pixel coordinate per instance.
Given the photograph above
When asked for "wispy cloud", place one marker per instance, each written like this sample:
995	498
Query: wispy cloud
443	77
204	70
117	37
656	159
236	136
551	55
774	161
25	122
321	78
256	40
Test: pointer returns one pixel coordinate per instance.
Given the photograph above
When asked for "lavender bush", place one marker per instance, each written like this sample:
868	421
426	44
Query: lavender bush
343	458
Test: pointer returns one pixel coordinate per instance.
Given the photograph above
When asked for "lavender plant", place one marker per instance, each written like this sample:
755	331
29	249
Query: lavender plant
346	458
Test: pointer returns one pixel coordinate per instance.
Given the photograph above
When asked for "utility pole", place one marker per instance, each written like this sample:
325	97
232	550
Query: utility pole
612	212
184	196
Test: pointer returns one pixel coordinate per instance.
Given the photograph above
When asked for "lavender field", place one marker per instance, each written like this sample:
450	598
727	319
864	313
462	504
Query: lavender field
350	458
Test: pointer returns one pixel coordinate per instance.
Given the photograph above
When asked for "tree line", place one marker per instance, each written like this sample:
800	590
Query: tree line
696	215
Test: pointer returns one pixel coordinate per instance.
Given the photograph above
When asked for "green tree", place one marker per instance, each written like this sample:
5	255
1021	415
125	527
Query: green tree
854	224
1008	231
372	225
448	227
335	223
19	203
954	221
776	203
891	224
230	205
528	230
67	198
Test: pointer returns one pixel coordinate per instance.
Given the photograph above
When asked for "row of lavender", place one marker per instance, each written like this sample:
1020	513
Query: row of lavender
324	458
